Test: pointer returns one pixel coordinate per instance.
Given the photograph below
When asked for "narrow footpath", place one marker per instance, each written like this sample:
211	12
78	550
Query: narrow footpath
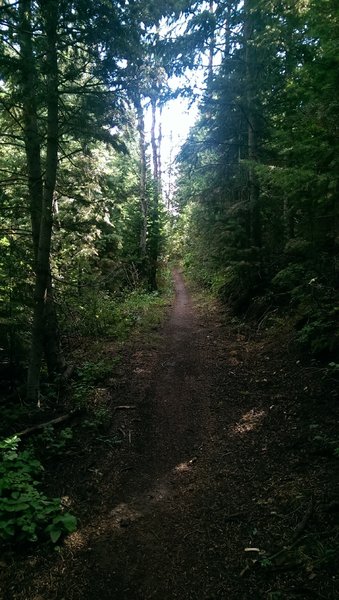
217	490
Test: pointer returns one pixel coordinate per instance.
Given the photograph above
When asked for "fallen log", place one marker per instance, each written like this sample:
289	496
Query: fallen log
34	428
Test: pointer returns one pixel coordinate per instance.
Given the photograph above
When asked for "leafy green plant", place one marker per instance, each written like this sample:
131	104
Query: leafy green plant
333	369
318	333
288	278
97	419
89	375
26	514
110	441
51	442
265	562
94	372
325	444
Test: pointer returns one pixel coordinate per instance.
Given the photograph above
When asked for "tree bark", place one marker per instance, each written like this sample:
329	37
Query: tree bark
252	125
154	245
30	120
49	11
142	181
160	150
211	49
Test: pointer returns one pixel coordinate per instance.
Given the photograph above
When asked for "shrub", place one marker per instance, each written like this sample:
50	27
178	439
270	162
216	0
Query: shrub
289	278
238	284
26	514
50	442
319	334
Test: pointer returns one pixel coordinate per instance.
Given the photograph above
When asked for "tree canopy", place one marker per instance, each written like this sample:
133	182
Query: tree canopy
258	179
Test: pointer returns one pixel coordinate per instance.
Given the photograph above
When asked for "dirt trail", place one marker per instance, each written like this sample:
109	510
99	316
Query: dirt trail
173	411
216	458
173	421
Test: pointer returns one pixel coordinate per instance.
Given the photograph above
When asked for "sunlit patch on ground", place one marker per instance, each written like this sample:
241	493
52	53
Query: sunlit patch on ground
249	421
76	541
123	514
185	466
159	492
182	467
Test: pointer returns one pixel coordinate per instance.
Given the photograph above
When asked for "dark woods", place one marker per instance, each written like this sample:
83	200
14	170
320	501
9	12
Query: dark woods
258	185
82	216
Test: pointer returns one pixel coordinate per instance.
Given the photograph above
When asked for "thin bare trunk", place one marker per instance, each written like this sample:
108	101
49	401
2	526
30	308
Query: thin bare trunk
142	180
252	126
154	141
211	46
227	30
154	245
160	150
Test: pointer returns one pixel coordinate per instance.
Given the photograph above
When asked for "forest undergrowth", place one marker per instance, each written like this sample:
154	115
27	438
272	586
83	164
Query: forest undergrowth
33	438
257	515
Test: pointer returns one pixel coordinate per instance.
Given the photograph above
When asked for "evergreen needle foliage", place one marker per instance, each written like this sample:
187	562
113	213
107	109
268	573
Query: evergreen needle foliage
258	183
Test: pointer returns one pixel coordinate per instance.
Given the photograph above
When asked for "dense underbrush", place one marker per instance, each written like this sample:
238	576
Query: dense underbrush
294	297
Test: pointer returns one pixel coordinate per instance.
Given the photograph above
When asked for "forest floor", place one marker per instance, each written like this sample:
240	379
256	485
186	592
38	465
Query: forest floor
224	483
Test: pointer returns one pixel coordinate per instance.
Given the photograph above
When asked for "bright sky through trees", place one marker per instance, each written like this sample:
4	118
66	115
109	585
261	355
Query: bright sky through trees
178	116
177	119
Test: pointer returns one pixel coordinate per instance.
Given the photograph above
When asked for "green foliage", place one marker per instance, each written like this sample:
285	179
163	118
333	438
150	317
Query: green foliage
325	444
98	419
26	514
289	278
109	441
333	369
320	333
265	562
236	281
91	374
258	175
51	442
113	315
95	246
137	310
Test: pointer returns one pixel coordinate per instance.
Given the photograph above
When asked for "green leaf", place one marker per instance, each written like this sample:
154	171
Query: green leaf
69	522
54	534
16	507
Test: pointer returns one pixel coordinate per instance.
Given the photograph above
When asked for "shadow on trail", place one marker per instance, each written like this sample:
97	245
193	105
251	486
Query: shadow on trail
213	466
173	411
173	417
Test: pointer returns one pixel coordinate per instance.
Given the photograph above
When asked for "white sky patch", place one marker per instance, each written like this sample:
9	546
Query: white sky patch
180	114
177	118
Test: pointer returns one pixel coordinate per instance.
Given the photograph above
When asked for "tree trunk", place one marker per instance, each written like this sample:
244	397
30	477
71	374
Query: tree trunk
55	359
142	183
211	49
49	11
227	21
252	125
30	120
160	151
154	245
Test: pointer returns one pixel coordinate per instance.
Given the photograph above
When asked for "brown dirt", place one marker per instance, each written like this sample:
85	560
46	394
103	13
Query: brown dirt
219	489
